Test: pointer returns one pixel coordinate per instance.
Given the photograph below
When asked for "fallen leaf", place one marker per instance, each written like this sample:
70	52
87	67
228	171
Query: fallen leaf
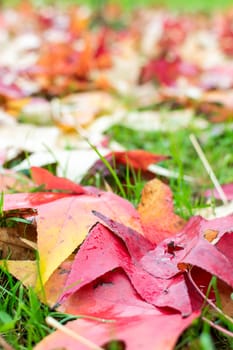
109	251
11	91
81	109
121	316
75	163
101	298
225	293
136	333
63	224
156	211
225	243
43	177
134	159
190	247
55	284
23	270
16	225
209	258
11	247
167	70
137	159
136	244
26	200
217	212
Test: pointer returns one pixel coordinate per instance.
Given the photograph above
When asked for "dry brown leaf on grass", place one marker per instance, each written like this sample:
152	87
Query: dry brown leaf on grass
11	245
225	294
17	225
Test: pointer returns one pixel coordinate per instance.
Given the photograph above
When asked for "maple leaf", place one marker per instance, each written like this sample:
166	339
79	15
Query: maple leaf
132	320
30	200
64	219
138	160
157	212
163	262
43	177
109	251
62	225
166	71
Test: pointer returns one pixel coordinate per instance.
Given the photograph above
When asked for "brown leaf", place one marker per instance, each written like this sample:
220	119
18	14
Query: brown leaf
225	292
12	247
11	243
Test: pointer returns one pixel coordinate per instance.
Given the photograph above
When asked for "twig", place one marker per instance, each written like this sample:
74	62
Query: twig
219	328
208	168
89	344
5	345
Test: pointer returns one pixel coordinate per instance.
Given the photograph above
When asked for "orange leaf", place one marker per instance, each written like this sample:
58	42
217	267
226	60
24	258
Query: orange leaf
157	212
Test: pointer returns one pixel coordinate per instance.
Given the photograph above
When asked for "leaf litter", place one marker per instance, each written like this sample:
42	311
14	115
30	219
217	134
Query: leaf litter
125	271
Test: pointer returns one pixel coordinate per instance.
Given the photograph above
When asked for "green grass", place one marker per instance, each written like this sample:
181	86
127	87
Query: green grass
22	316
216	142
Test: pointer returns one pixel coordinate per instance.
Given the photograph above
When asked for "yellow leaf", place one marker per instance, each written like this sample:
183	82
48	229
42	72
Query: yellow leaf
62	225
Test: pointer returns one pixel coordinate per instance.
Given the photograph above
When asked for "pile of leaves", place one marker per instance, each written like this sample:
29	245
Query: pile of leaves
135	269
134	278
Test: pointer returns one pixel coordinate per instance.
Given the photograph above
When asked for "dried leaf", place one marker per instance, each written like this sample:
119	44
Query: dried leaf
11	247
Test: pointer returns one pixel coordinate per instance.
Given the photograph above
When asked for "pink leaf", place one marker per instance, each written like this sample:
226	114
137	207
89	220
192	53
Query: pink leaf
227	189
137	333
110	252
